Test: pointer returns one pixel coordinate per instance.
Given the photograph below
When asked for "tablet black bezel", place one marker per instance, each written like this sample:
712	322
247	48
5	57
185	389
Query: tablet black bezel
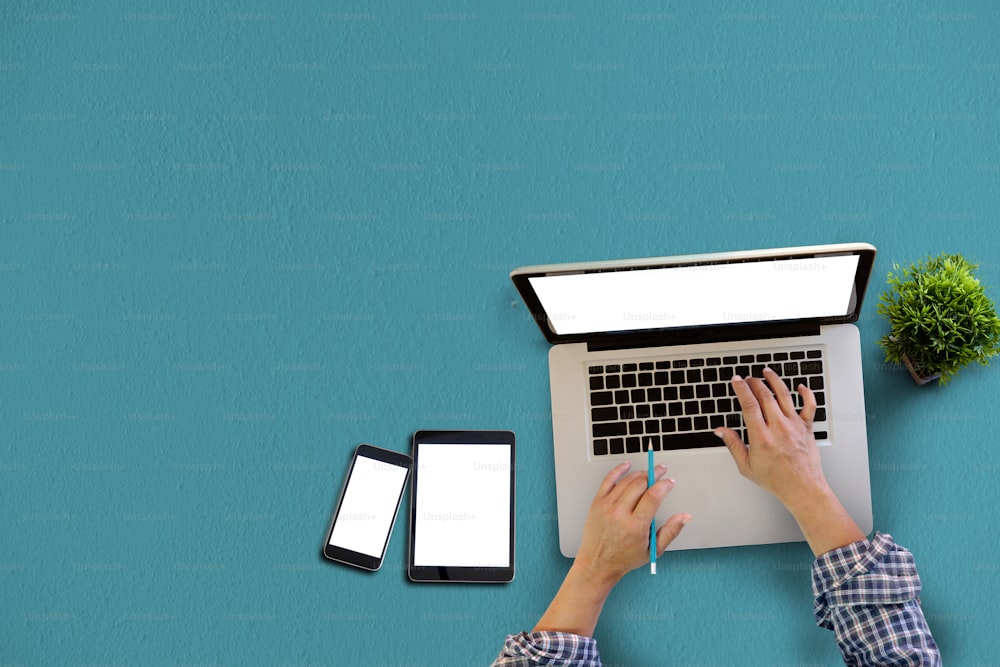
453	574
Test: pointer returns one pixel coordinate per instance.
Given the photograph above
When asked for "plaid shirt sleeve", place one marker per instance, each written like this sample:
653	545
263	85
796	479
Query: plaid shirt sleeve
868	594
558	649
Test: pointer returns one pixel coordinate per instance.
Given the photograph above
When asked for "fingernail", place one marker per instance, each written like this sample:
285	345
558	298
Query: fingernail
717	433
685	520
737	377
661	468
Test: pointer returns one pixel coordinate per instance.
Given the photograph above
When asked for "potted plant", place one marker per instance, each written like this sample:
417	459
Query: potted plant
940	318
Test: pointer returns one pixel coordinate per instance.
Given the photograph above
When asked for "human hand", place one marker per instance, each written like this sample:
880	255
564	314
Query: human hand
782	457
616	533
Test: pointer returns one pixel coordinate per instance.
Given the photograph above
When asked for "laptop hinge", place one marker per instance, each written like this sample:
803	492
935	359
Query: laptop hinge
716	334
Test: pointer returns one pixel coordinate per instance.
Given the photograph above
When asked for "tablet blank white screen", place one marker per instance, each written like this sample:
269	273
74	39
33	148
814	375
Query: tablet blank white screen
462	506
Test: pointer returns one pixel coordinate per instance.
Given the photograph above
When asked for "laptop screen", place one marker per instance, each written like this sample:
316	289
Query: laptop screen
703	295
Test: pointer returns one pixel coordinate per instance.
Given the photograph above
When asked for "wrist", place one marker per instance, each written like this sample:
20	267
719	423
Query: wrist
600	578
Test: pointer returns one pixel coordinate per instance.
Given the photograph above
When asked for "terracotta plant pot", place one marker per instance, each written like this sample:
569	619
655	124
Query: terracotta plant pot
917	374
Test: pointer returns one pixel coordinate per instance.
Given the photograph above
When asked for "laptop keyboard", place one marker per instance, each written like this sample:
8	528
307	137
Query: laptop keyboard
675	403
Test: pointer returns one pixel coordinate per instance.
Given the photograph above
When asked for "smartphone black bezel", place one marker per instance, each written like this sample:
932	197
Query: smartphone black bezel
453	574
347	556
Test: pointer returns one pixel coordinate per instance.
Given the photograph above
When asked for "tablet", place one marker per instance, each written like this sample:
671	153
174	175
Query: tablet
462	507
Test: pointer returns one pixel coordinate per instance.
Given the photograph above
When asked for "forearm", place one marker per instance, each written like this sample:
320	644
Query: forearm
825	523
578	604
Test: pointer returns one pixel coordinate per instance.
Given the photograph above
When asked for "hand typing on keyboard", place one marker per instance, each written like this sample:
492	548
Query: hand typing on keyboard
783	458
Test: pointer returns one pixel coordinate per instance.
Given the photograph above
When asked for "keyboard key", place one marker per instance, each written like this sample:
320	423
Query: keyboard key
715	421
606	429
654	394
670	394
634	428
612	368
776	367
612	381
594	370
646	366
690	441
691	408
820	415
725	373
820	397
798	381
764	357
652	425
687	391
661	378
621	397
660	365
816	382
680	363
626	412
693	376
659	409
724	405
821	435
746	359
628	380
710	374
668	425
791	369
600	398
713	361
628	368
632	445
600	447
696	363
780	356
788	383
645	379
604	414
703	391
814	354
701	424
596	382
677	377
811	367
616	445
729	361
707	406
653	440
798	354
734	420
720	389
637	395
642	411
675	408
743	371
683	424
757	370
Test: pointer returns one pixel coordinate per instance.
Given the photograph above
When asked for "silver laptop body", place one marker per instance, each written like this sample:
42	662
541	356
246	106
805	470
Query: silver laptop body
658	324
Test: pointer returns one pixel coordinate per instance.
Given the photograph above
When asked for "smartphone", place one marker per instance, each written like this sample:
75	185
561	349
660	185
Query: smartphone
366	511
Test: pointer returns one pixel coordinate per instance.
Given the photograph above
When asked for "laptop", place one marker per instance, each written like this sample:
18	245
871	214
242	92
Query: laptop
643	350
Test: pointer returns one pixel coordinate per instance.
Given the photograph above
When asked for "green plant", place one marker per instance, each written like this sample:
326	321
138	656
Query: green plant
940	316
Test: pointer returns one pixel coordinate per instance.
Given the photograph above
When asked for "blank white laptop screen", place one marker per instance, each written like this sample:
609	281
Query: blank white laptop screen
689	296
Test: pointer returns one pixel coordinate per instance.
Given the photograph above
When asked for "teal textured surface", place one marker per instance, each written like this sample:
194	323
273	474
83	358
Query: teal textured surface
238	239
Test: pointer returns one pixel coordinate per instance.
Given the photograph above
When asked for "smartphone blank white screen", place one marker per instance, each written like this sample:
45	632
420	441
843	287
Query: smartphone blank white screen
462	506
368	507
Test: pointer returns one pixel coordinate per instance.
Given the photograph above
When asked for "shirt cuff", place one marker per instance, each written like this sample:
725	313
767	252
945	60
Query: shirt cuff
552	648
868	572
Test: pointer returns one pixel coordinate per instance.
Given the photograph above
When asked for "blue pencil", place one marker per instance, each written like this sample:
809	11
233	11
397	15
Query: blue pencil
652	524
